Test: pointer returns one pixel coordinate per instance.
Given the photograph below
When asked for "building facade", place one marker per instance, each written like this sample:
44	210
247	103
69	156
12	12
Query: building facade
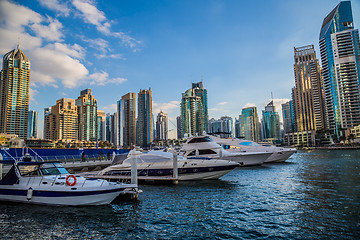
340	51
128	106
288	117
87	116
194	110
249	124
61	122
161	126
222	127
101	125
178	127
270	123
14	93
308	90
144	126
32	124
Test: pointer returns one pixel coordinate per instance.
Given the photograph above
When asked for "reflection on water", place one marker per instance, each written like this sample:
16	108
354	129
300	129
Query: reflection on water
314	195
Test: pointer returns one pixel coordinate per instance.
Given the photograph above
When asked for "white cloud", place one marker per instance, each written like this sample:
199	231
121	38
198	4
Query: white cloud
54	5
111	108
165	107
249	105
90	14
114	56
32	93
14	17
51	32
75	50
102	78
222	103
98	43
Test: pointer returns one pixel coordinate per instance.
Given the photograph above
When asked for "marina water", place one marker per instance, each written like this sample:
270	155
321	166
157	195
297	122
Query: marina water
314	195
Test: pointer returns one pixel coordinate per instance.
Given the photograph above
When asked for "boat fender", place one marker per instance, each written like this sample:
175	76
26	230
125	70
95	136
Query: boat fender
69	182
29	194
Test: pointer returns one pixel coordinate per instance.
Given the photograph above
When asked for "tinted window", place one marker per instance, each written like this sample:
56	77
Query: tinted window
198	140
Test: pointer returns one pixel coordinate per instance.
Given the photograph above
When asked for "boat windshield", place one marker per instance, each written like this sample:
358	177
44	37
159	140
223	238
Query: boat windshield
202	152
52	169
198	140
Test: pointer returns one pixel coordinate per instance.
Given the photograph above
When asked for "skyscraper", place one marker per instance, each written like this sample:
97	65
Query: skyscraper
14	93
308	92
249	124
288	117
178	127
270	122
87	110
194	110
101	125
62	121
144	126
128	106
32	124
222	127
340	51
162	126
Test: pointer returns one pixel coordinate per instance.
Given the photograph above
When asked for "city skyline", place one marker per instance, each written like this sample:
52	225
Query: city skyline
221	51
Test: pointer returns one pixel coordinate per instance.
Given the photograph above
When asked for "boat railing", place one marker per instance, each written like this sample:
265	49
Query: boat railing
65	158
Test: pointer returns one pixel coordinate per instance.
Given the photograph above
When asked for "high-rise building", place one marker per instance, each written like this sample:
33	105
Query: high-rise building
222	127
308	92
32	124
178	127
249	124
144	126
87	110
194	110
108	129
62	121
270	123
101	125
237	128
161	126
288	117
128	106
14	93
340	51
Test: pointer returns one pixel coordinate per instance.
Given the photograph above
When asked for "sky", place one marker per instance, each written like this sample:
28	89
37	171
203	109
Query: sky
243	50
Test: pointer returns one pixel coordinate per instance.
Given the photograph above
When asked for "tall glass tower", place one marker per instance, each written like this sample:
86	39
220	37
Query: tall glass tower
87	111
308	92
340	57
249	124
270	122
32	124
127	107
144	126
14	93
194	110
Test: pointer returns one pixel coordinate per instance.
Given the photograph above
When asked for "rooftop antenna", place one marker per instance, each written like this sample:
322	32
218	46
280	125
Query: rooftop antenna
272	98
18	42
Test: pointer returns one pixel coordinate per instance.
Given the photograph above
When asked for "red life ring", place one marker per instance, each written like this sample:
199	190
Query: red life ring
70	183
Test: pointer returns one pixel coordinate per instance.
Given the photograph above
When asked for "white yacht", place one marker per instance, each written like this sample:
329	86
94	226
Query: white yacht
48	183
278	154
158	163
204	146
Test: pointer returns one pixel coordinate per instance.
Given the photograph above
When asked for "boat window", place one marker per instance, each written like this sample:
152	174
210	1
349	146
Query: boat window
32	170
51	169
198	140
61	169
202	152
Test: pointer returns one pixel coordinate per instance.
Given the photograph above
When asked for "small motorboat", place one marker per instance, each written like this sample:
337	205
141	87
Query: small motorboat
160	164
49	183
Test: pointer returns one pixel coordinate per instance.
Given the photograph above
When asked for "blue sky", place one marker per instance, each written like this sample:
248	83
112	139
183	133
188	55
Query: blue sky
243	49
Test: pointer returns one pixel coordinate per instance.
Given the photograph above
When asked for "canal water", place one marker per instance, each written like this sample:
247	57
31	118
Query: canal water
314	195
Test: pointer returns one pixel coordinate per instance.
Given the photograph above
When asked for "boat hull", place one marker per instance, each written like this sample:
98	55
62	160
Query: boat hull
252	159
184	173
59	198
280	156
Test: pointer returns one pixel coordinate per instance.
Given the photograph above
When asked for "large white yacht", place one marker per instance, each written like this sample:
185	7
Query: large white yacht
159	163
278	154
204	146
